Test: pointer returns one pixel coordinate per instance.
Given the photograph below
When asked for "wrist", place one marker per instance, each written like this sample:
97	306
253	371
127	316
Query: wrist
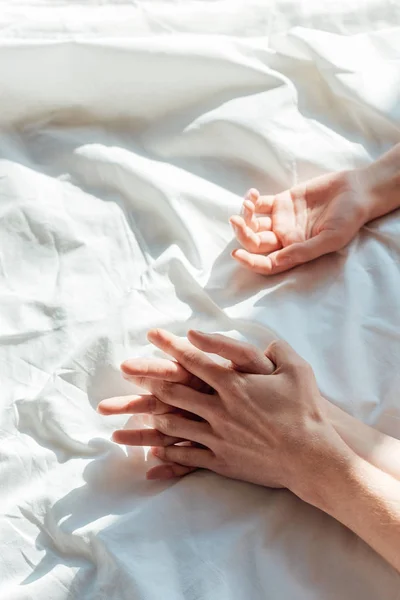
326	472
380	184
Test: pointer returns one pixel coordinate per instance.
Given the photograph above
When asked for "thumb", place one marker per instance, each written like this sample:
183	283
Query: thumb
301	252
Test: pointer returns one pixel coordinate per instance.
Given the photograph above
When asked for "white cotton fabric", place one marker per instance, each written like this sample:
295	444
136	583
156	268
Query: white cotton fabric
125	146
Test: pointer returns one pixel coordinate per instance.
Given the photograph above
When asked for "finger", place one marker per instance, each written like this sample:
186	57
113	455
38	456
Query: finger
192	359
147	383
255	262
300	253
143	437
248	213
264	224
142	404
137	369
245	235
272	264
265	241
169	471
186	429
186	455
252	194
264	204
179	397
282	354
245	357
154	367
159	388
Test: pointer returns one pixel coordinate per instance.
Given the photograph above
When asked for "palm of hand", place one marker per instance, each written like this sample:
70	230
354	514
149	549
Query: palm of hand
300	224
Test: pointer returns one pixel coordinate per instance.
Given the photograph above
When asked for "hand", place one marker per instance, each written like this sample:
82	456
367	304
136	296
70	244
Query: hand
300	224
145	373
257	428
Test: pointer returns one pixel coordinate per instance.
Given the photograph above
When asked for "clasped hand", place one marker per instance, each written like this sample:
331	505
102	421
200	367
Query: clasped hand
259	418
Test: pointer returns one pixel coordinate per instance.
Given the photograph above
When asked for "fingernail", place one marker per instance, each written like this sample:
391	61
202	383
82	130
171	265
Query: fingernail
156	451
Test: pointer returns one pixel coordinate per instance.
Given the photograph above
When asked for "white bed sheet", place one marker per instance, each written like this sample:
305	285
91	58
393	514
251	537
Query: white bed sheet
121	162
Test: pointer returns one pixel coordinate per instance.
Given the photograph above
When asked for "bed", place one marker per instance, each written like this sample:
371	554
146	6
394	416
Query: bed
128	135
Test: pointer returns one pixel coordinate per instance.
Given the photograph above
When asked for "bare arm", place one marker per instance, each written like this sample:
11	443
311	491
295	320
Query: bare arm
381	181
380	450
363	498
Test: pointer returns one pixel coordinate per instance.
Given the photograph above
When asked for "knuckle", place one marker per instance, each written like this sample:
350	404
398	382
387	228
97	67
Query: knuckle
165	389
183	456
141	437
307	369
218	343
234	384
166	423
251	261
300	367
189	356
250	353
151	404
274	346
139	381
217	414
161	439
252	245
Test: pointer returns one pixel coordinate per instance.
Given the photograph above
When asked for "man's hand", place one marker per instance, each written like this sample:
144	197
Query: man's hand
145	373
256	428
273	429
314	218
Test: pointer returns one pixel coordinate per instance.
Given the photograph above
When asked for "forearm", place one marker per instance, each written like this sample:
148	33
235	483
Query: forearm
365	500
381	182
380	450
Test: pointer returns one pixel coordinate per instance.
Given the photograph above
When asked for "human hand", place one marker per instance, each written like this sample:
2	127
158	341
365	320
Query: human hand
298	225
257	428
145	373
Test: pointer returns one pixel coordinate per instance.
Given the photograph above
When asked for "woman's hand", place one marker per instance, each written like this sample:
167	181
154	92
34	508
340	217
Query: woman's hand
311	219
242	357
266	429
273	430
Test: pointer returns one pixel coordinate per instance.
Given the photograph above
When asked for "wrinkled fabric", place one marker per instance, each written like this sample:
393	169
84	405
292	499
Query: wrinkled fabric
122	158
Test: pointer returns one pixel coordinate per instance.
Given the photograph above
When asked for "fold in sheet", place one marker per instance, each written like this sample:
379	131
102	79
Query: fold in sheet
121	162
